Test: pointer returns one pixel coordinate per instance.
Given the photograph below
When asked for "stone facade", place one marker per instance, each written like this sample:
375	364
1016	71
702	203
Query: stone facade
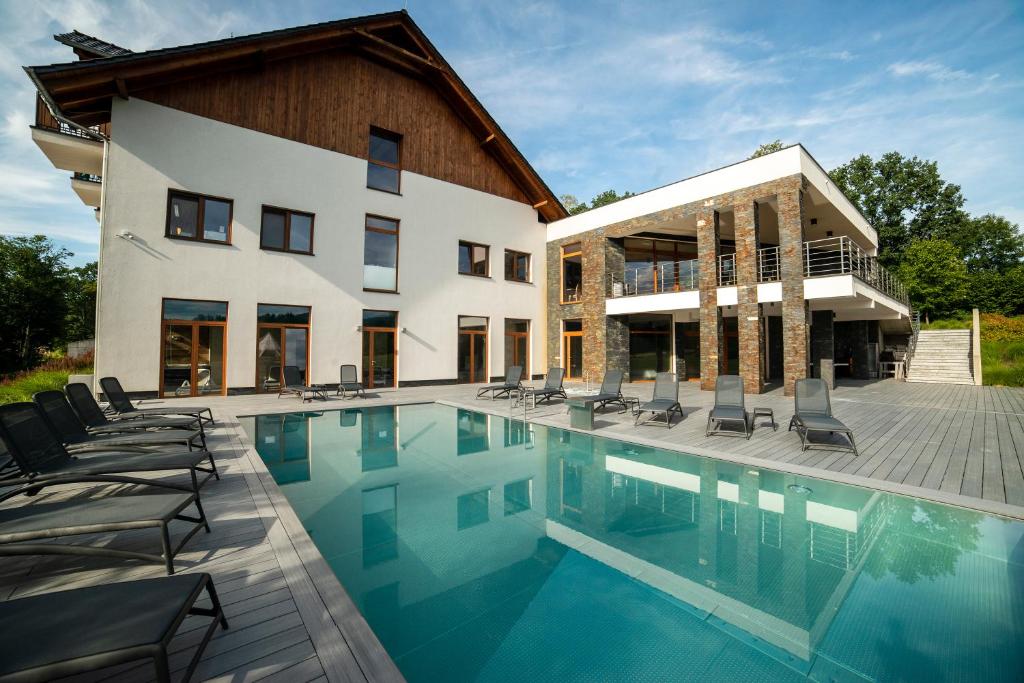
822	339
606	338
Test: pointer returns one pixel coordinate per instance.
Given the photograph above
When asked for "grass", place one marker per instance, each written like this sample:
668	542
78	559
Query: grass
1002	350
53	374
956	323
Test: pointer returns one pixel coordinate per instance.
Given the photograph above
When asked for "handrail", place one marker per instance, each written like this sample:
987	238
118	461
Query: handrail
843	256
915	329
726	270
672	276
45	119
768	265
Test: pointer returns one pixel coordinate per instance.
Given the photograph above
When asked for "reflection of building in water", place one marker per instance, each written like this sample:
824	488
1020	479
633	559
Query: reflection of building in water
284	444
740	543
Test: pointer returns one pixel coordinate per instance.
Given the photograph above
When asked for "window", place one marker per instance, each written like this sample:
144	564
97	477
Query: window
384	169
517	344
472	349
572	272
474	259
199	218
286	230
192	349
380	254
517	266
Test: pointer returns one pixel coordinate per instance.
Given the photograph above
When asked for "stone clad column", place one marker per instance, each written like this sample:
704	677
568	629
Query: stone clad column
710	313
748	241
794	307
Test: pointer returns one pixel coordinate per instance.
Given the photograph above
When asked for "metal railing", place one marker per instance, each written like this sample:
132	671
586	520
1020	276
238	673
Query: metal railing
843	256
88	177
673	276
726	270
44	119
915	329
768	266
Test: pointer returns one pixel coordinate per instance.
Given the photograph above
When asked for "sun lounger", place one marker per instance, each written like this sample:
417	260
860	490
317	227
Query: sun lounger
513	381
813	414
729	408
552	386
664	402
350	382
293	384
97	422
121	406
610	391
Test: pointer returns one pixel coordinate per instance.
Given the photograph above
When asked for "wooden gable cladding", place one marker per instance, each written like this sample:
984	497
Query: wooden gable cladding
330	100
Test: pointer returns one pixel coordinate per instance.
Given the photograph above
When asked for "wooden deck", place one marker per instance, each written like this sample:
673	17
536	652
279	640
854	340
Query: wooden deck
291	620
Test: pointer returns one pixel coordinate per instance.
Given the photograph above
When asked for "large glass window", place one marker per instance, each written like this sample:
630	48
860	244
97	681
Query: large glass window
192	347
472	350
199	218
517	266
380	348
474	259
384	169
286	230
189	309
282	340
650	346
572	272
517	345
380	254
572	348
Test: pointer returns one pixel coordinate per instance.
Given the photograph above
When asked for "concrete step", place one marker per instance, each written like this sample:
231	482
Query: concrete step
940	381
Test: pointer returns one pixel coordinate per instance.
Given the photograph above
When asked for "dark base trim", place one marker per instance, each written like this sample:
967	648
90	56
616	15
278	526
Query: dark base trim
426	382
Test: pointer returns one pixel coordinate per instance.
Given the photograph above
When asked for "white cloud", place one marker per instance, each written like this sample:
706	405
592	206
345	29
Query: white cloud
932	70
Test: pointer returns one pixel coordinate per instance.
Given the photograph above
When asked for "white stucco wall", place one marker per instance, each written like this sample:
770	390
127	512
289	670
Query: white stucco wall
154	148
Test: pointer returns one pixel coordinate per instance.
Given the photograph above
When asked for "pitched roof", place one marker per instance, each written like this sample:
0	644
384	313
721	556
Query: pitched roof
90	44
82	91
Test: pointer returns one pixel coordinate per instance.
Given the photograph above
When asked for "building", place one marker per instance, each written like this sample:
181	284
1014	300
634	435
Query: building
762	269
309	197
334	194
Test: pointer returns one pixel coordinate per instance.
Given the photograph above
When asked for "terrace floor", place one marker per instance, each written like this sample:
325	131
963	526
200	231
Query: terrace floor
291	621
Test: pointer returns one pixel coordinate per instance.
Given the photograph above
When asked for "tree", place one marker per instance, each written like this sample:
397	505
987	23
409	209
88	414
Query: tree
81	298
988	243
767	148
935	277
994	292
574	206
904	199
33	307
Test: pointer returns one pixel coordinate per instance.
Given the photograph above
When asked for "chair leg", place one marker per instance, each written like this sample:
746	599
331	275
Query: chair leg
849	435
165	539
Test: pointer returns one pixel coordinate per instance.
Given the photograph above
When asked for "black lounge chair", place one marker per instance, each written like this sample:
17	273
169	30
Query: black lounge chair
39	453
610	391
97	422
813	414
76	438
70	632
664	402
513	381
552	386
293	384
729	408
350	382
32	529
122	406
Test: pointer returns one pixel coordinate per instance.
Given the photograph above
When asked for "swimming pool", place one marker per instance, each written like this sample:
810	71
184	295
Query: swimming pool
481	548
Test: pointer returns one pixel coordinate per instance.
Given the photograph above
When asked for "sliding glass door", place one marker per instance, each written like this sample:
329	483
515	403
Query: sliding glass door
282	340
379	349
192	347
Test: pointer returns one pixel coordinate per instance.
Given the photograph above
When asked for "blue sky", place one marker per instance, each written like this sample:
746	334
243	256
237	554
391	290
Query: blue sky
626	95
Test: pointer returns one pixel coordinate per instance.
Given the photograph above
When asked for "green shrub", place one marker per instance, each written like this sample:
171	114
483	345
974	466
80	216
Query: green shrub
962	322
1002	350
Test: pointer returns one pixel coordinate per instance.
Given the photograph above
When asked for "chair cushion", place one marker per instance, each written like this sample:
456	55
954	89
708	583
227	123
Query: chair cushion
52	520
659	405
99	620
728	414
819	422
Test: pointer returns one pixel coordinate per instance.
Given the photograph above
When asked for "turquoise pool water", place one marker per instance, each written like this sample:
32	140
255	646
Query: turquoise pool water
480	548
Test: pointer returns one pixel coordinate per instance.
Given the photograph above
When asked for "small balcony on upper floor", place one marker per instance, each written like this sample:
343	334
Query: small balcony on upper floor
835	270
74	149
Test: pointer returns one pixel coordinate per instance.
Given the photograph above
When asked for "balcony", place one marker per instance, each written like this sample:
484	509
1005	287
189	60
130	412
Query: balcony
821	258
87	187
67	147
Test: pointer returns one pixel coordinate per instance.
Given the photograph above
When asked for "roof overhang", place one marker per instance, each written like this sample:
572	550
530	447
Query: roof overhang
82	92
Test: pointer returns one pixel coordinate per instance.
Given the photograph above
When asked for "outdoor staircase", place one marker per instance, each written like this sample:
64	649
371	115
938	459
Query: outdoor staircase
942	357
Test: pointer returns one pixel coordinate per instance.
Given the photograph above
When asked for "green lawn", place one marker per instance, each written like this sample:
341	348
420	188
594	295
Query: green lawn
1002	350
53	374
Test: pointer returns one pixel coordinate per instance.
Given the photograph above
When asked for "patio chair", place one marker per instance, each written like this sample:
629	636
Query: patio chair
664	402
813	414
350	382
552	386
513	381
70	632
76	438
97	422
610	391
121	406
34	529
729	408
39	453
293	384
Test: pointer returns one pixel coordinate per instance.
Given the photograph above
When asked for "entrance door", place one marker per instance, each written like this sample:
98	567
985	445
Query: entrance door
379	349
572	348
517	345
192	347
730	342
650	347
688	346
282	339
472	351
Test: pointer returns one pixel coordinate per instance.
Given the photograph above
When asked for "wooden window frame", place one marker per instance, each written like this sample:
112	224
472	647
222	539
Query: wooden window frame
373	330
398	246
472	355
529	266
561	271
164	323
566	335
487	258
520	335
282	326
200	216
387	135
288	213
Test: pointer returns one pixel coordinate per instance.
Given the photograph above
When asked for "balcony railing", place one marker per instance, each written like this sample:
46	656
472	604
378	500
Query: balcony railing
674	276
768	266
44	119
843	256
88	177
727	270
